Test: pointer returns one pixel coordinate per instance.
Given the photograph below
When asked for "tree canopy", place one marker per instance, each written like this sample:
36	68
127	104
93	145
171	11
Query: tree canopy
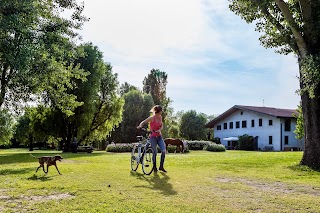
35	41
192	125
100	109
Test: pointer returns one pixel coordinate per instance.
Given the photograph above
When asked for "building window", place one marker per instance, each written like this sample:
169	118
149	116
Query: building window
287	125
238	124
244	124
270	122
260	121
270	139
219	127
252	123
286	140
225	126
231	125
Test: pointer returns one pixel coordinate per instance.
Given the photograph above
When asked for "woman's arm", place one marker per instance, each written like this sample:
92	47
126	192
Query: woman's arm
144	122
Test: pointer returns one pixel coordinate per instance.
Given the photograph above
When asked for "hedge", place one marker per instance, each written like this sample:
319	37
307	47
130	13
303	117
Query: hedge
216	148
192	145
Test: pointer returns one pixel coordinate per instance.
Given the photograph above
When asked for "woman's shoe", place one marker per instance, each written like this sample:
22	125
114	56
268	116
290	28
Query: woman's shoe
162	169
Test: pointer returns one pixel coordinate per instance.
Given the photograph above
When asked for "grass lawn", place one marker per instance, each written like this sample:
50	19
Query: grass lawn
200	181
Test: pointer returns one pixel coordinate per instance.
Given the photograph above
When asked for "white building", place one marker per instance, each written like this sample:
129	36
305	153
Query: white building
272	128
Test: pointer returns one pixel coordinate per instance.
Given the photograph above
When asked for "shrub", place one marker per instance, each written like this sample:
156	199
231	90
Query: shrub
217	140
215	148
127	147
172	149
198	145
119	147
246	142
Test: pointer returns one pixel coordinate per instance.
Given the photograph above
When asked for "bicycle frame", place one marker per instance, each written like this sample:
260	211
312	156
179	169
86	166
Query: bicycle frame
140	151
142	154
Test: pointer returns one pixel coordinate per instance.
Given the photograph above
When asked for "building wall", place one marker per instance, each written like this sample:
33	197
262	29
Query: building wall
263	132
292	142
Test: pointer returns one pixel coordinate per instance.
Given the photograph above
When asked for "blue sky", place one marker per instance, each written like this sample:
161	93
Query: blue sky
212	57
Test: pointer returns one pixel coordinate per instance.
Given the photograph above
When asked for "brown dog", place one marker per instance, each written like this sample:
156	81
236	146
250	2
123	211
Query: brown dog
49	160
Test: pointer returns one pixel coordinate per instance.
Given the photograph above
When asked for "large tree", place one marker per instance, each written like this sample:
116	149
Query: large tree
192	125
99	111
136	108
156	85
34	42
292	26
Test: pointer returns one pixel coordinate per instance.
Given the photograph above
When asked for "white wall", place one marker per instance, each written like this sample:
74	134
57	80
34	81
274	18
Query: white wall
293	142
263	132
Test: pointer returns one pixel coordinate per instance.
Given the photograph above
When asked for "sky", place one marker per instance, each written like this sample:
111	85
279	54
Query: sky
212	57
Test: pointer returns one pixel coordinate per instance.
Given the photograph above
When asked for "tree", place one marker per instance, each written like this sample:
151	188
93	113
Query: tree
156	85
125	88
246	142
293	27
6	127
171	129
34	42
136	108
100	108
299	131
192	125
31	126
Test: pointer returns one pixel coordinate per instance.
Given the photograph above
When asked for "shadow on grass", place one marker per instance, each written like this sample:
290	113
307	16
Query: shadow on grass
301	168
15	171
156	182
34	177
15	158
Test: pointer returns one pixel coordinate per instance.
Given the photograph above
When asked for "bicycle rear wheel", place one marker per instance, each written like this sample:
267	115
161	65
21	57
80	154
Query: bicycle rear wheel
147	162
134	159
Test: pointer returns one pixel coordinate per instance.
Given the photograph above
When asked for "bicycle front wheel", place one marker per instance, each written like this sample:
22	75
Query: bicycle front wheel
134	159
147	162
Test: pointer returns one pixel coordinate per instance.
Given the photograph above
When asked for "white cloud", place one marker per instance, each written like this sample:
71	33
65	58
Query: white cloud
213	58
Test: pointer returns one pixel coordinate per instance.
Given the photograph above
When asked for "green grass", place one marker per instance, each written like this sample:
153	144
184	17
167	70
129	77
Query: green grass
201	181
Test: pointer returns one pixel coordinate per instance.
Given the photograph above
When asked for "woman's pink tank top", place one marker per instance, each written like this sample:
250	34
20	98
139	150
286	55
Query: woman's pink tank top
154	126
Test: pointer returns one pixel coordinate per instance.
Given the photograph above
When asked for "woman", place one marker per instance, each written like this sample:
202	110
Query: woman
156	138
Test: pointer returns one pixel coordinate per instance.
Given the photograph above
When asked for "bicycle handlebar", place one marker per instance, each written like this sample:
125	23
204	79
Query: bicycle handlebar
144	134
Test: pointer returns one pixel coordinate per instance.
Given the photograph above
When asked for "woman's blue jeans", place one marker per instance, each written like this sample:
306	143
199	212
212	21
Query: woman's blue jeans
154	142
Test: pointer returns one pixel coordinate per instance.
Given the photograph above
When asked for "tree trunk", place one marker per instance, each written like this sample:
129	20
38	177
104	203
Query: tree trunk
311	115
3	84
30	143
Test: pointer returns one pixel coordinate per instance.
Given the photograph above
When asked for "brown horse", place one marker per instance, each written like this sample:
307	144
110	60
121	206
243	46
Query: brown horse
175	142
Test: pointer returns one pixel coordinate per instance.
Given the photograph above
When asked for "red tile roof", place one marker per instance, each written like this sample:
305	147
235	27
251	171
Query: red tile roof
274	112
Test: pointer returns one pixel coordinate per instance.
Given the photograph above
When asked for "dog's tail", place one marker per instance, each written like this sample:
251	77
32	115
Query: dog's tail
32	156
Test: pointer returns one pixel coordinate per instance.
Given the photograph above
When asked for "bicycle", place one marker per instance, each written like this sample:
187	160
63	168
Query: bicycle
142	154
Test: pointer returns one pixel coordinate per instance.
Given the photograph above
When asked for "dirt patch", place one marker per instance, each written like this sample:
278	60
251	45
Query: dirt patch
49	197
69	161
275	187
4	197
2	190
31	200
